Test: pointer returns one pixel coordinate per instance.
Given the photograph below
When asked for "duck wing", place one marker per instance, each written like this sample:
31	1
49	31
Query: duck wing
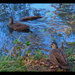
64	54
57	55
19	26
53	59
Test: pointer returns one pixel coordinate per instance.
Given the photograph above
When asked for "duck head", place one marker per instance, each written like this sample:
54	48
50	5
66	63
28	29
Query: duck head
54	45
11	20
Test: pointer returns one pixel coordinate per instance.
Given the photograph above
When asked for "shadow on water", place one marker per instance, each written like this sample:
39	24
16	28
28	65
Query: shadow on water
52	27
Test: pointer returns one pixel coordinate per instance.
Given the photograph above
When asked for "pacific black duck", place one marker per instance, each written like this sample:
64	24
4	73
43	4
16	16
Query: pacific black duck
58	56
17	26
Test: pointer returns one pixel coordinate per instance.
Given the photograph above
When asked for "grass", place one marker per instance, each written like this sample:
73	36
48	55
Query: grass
72	43
71	58
20	63
12	64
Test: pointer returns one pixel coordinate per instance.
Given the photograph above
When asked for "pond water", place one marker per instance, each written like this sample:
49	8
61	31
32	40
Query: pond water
45	30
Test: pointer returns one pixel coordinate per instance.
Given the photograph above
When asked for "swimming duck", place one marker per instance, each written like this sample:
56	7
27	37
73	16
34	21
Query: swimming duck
17	26
31	18
58	56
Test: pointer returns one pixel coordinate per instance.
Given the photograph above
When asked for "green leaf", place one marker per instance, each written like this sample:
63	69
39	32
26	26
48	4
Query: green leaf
28	52
46	57
27	43
15	41
39	51
18	47
37	54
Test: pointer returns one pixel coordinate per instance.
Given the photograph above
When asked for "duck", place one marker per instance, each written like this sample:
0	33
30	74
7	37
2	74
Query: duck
31	18
17	26
58	56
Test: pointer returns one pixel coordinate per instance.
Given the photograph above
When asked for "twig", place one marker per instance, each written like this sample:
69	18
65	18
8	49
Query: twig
44	49
10	52
12	48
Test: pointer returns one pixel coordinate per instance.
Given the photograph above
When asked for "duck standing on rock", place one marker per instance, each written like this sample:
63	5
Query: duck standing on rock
17	26
58	56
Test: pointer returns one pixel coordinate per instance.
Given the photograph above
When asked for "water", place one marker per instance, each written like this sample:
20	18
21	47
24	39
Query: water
44	30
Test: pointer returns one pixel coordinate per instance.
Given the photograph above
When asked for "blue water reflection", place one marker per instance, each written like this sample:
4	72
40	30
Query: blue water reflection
41	28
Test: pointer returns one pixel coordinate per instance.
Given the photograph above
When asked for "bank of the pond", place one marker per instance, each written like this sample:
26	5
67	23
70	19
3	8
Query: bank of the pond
35	63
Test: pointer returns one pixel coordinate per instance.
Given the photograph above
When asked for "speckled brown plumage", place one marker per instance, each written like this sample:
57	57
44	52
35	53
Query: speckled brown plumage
58	57
18	26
